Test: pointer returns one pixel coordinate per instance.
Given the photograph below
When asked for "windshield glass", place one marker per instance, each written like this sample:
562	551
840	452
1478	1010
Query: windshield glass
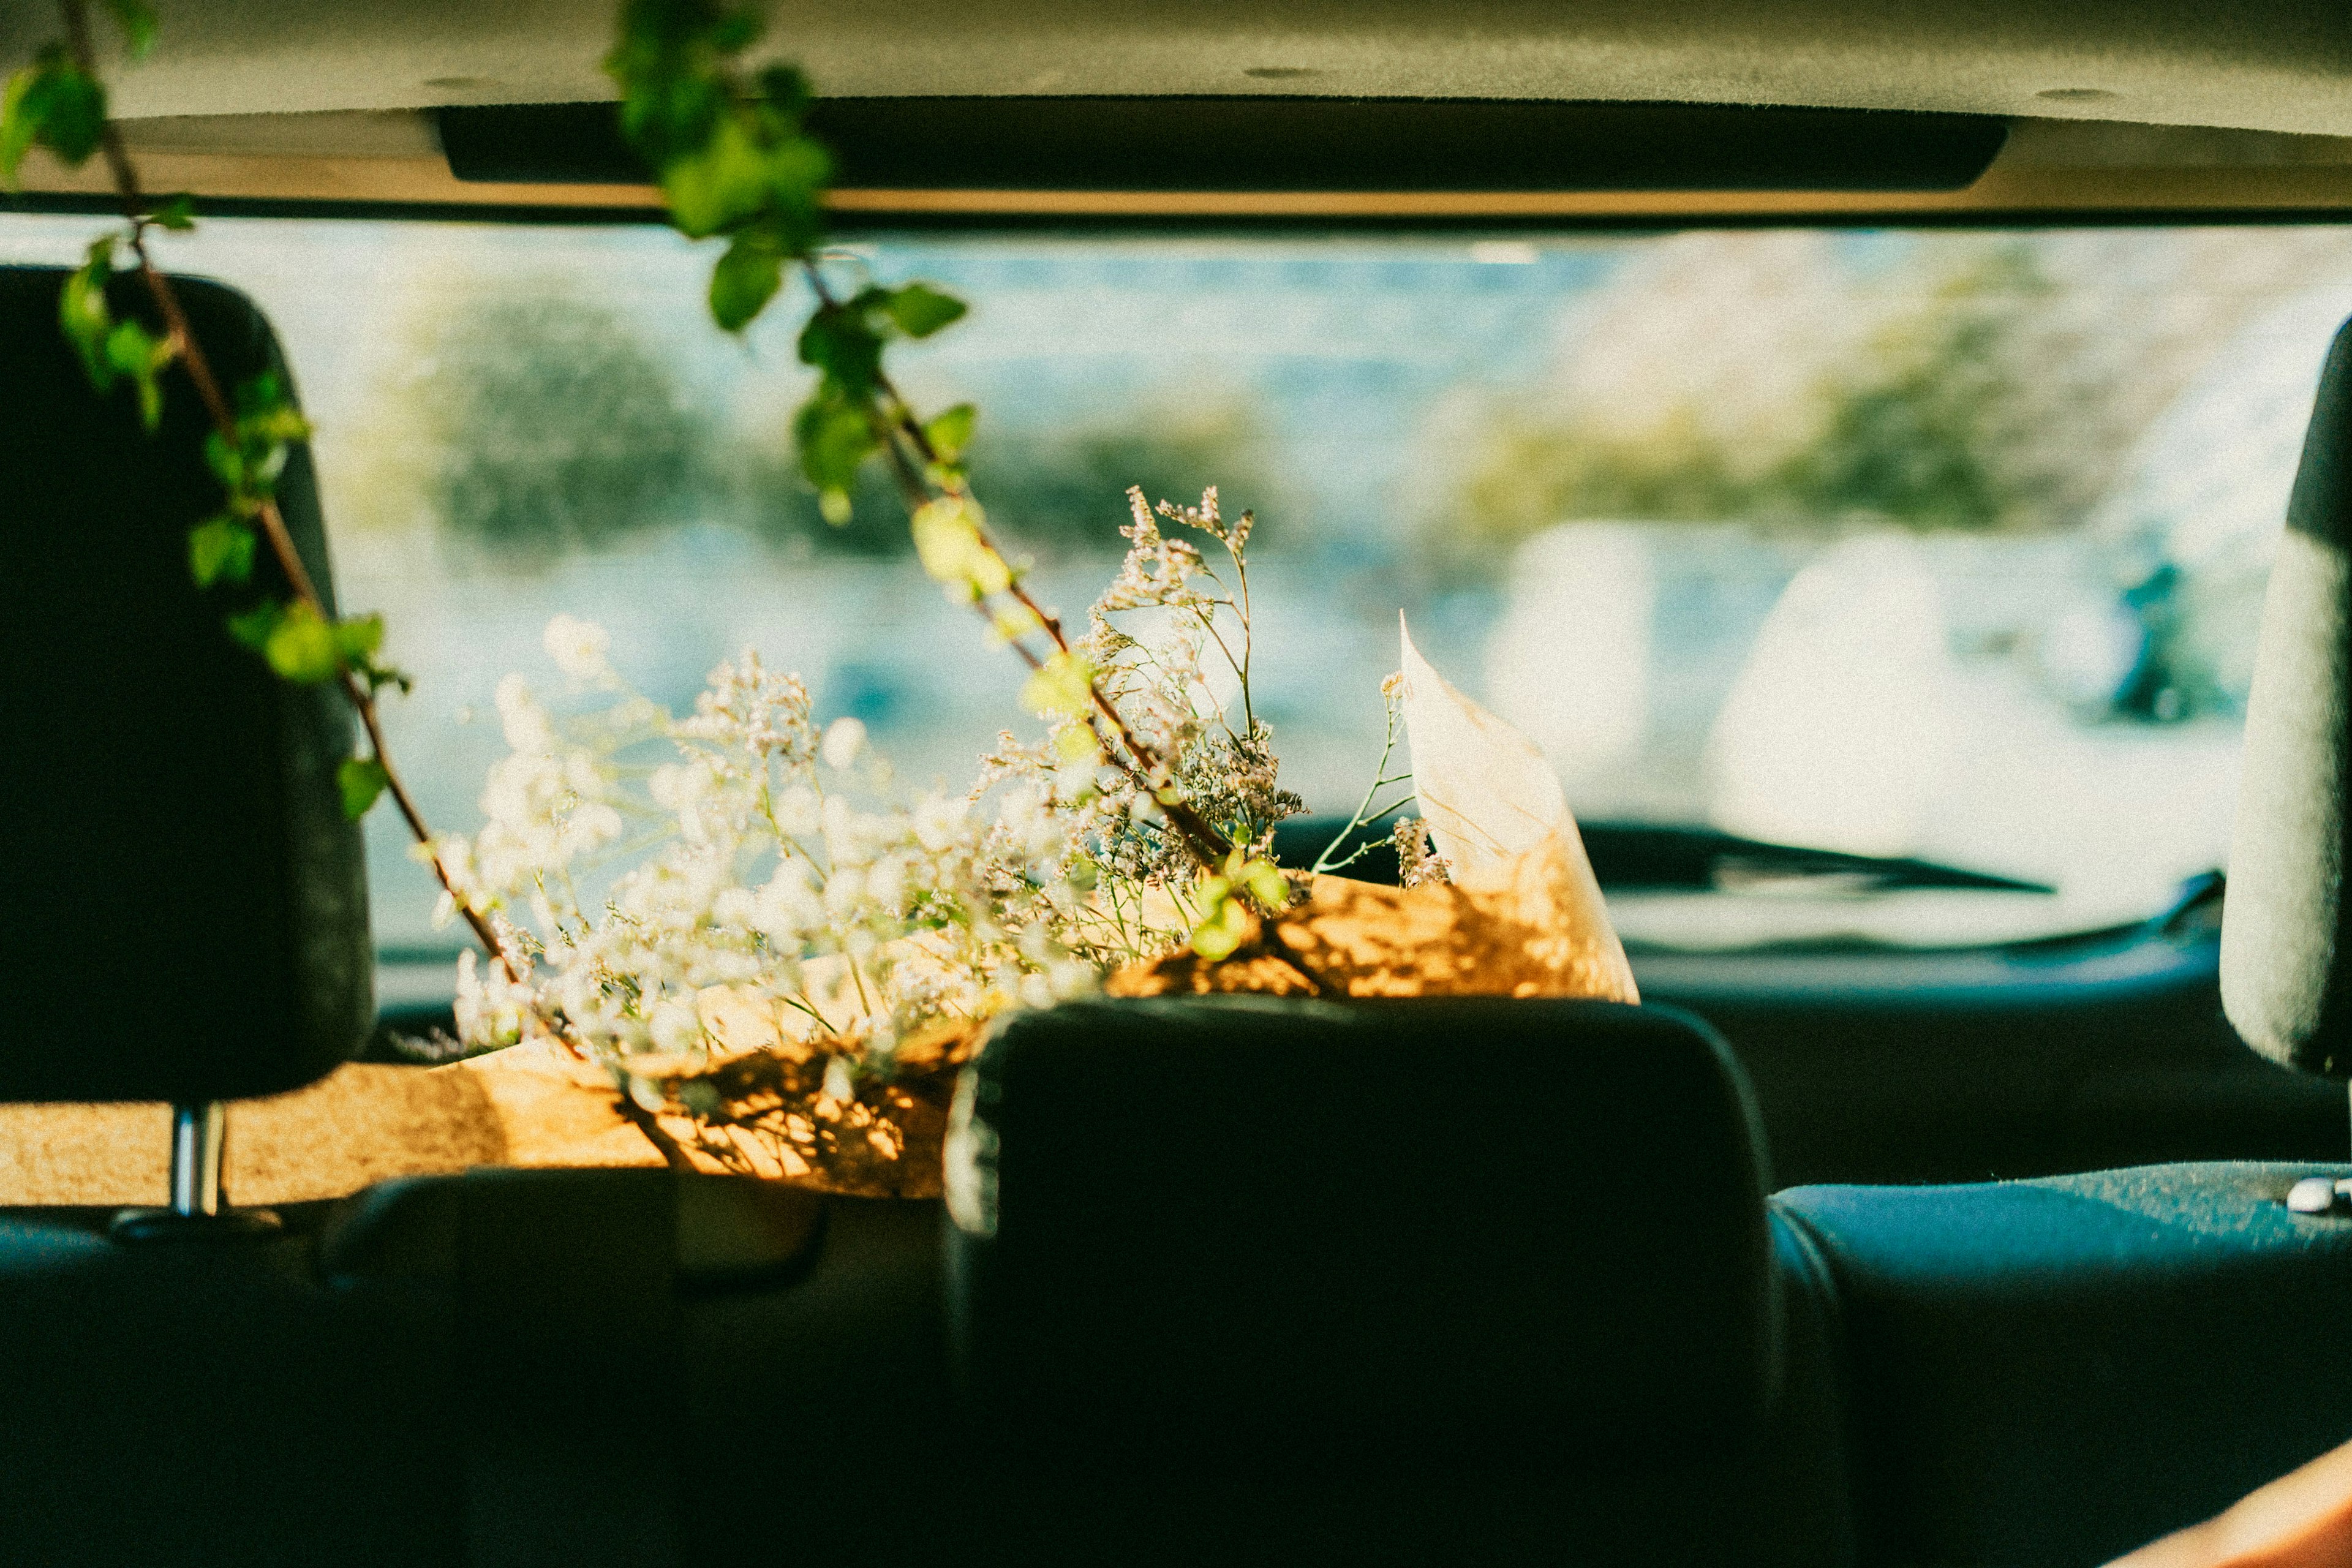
1938	544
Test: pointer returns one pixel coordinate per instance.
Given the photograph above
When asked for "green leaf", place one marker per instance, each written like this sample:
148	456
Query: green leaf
302	646
951	432
840	341
178	213
361	780
84	315
266	410
357	637
785	88
379	676
220	551
1264	882
1227	927
252	627
66	107
835	436
132	351
798	168
138	24
719	184
227	460
835	508
666	116
921	310
130	348
735	31
745	279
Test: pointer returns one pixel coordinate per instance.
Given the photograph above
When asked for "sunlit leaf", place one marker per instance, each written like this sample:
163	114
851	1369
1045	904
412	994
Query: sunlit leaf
179	213
1265	883
84	315
357	637
17	127
921	310
1226	928
1063	687
220	551
134	351
302	646
948	542
361	780
951	432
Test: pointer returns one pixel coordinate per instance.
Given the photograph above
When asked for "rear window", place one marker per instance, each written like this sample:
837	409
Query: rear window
1947	544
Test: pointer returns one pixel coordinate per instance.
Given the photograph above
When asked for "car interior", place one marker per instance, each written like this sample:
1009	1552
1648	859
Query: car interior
1835	1250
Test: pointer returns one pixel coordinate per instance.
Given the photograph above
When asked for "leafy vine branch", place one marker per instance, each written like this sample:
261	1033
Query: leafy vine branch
735	161
58	102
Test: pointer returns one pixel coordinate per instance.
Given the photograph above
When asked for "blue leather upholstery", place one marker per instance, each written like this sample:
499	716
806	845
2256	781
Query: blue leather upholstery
2052	1373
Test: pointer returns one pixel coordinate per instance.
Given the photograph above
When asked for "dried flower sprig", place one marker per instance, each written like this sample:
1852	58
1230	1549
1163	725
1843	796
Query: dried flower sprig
796	925
1367	811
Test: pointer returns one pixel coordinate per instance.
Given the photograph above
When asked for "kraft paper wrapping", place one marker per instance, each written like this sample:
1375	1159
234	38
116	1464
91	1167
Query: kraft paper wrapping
1523	915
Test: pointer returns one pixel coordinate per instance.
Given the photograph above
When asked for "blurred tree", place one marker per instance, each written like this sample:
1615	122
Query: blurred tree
564	430
1054	490
1927	422
531	424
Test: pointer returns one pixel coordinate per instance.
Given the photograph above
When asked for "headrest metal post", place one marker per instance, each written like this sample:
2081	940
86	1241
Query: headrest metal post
196	1135
199	1130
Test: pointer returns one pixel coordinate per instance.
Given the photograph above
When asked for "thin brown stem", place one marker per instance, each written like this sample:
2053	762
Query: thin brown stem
1151	773
673	1152
190	354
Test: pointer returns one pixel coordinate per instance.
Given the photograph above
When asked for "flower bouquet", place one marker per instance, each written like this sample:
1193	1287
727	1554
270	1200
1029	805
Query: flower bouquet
800	951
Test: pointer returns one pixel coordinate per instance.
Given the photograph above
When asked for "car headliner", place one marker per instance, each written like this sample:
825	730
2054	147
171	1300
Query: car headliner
2190	106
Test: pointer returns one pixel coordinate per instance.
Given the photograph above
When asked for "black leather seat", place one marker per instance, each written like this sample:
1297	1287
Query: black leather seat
484	1369
1445	1280
186	921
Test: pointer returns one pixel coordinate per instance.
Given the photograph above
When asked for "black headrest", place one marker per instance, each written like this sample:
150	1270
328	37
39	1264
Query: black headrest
183	908
2284	953
1408	1228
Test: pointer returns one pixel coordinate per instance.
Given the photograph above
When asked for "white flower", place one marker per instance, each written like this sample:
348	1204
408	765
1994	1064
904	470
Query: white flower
885	884
676	787
844	891
675	1027
939	820
845	739
524	721
799	812
578	647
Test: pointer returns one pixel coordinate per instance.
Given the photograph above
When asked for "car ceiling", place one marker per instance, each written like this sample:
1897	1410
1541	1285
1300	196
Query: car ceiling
2275	65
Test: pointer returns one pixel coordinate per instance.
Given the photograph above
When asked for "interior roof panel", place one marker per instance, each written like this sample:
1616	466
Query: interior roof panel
2278	65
